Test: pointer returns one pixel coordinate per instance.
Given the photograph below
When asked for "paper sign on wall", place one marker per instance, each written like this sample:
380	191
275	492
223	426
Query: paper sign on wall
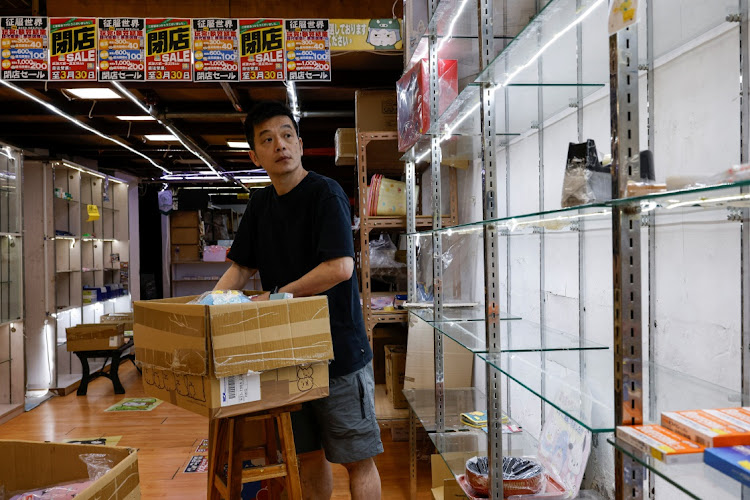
622	13
261	50
93	212
308	50
168	54
24	47
72	52
122	52
239	389
215	50
365	34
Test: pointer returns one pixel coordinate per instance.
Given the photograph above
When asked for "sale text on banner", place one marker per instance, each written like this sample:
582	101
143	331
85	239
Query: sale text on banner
261	50
215	50
24	48
122	52
72	52
308	50
168	54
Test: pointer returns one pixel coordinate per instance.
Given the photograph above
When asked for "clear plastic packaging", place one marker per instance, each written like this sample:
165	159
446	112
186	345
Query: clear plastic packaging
219	297
60	492
586	180
97	464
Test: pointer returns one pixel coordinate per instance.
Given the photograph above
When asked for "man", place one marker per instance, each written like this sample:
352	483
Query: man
297	234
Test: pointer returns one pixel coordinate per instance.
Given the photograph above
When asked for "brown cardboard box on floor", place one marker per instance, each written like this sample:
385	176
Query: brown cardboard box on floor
225	360
395	364
27	466
375	110
383	335
95	337
444	484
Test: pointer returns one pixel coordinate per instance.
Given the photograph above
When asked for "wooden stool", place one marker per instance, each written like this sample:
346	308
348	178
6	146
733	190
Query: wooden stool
226	446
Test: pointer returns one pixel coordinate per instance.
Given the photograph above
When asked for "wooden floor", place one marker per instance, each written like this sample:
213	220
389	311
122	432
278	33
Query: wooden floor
166	437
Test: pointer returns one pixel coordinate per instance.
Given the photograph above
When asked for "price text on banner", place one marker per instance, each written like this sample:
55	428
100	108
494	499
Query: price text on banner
215	50
24	48
122	52
72	53
308	50
168	56
261	50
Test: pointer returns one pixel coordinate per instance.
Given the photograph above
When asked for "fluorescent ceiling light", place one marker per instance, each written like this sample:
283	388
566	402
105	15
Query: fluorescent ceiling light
136	118
238	144
254	180
161	137
94	93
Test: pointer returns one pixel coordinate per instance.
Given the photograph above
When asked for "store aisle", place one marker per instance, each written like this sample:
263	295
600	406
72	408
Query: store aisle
167	437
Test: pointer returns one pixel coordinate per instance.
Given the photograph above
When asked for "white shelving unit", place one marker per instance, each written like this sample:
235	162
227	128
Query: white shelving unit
77	228
12	378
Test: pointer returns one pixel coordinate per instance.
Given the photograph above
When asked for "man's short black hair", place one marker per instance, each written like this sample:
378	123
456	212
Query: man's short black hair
262	111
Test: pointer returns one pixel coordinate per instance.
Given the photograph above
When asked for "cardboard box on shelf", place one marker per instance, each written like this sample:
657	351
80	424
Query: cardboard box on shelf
375	110
395	365
94	337
27	466
125	318
711	428
383	335
231	359
346	146
185	253
184	218
185	236
444	484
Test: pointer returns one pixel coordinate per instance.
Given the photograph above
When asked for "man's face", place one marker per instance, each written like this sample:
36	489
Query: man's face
277	147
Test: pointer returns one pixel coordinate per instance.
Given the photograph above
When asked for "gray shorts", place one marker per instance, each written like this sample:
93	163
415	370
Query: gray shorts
344	423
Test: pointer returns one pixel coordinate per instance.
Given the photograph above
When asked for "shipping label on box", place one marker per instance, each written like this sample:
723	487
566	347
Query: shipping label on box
239	389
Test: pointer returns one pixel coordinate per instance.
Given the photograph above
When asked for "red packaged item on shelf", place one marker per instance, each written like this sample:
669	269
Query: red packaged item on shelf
413	98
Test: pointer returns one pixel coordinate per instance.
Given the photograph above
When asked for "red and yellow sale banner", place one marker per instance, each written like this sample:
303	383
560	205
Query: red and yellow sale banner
261	50
308	50
168	52
215	50
23	45
122	51
72	48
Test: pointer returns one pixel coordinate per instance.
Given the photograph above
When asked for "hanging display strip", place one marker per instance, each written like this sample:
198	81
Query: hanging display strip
174	49
24	48
261	50
122	52
215	50
308	50
72	49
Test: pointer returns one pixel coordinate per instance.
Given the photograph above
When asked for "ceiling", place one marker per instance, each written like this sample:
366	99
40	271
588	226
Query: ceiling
209	114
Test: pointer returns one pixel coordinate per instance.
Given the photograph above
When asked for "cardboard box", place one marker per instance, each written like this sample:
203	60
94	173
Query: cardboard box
185	253
200	357
125	318
375	110
185	218
346	146
420	359
660	443
444	484
413	99
28	466
383	335
395	366
711	428
95	337
185	236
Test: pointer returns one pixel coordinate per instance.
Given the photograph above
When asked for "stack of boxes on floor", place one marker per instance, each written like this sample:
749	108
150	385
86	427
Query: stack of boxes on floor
185	235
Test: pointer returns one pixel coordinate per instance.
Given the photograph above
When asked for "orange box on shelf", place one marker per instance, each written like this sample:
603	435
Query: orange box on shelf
660	443
711	428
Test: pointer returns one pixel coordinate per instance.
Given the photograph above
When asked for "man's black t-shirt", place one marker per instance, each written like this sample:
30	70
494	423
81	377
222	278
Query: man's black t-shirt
285	237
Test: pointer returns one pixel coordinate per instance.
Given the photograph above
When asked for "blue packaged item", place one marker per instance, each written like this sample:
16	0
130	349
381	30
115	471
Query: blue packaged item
219	297
734	461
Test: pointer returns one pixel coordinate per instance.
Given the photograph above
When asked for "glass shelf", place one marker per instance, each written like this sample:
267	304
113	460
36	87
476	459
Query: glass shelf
517	335
516	64
714	196
697	480
563	219
457	447
457	401
556	378
65	200
470	313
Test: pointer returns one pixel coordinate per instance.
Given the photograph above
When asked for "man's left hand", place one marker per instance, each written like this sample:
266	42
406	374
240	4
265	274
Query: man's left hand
261	297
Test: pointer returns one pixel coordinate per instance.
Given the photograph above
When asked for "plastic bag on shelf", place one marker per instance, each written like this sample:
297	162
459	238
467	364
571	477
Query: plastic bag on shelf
586	180
218	297
383	253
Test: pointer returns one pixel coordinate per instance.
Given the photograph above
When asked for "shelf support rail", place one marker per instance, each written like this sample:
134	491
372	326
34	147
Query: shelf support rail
626	246
491	260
